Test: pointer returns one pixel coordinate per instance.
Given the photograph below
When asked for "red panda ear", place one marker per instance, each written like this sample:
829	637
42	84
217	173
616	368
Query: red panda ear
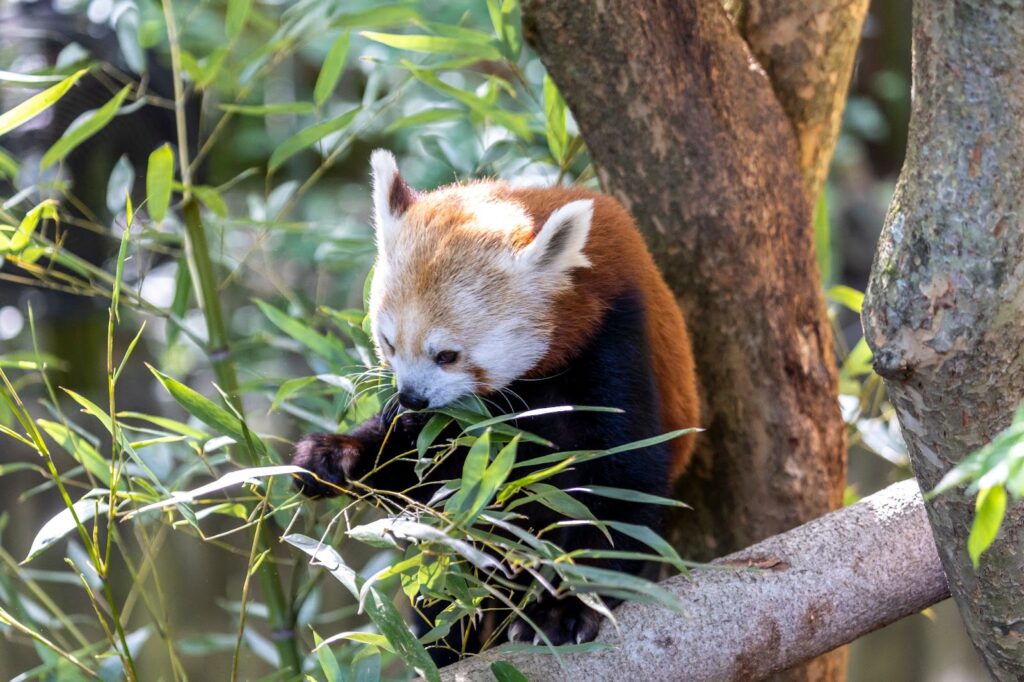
558	244
392	197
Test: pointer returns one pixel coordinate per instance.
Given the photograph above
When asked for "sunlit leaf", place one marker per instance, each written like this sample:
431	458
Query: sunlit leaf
27	227
159	177
436	44
37	104
80	449
8	166
228	480
89	126
988	516
554	121
847	297
63	523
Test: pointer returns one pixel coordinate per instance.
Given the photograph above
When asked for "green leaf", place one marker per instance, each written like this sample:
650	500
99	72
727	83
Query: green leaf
554	121
472	472
493	478
23	235
89	126
628	495
238	12
208	412
430	431
268	109
823	238
212	199
422	118
846	296
304	138
80	449
325	657
63	523
380	609
37	104
289	387
988	516
8	166
436	45
327	347
331	71
159	177
506	672
517	123
378	17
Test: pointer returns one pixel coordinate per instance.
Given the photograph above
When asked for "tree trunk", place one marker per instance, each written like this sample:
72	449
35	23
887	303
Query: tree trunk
945	308
807	47
694	142
814	588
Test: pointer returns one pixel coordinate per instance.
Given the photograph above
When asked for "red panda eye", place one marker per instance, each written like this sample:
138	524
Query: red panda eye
387	344
446	357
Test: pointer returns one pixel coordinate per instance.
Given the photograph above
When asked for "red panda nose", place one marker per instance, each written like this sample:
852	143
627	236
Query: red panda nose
411	401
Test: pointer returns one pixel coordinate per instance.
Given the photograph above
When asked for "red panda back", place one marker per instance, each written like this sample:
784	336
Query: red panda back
621	261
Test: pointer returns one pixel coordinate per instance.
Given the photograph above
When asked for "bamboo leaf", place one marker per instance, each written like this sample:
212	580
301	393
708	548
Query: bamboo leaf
847	297
228	480
327	347
63	523
304	138
383	613
331	71
238	13
37	104
208	412
554	121
159	177
437	44
89	126
268	109
506	672
988	516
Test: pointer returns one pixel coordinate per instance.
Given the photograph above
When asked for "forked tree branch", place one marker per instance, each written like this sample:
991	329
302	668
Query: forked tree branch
808	591
807	48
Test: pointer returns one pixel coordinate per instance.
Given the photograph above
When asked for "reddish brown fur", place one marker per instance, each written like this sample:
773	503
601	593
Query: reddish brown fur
620	261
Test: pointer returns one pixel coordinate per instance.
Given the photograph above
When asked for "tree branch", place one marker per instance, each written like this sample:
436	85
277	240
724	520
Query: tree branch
818	587
807	48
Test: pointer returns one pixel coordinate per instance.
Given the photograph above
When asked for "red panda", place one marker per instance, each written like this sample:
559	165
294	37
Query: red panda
549	294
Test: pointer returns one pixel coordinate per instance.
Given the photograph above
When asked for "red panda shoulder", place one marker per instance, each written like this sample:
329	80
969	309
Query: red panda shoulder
621	263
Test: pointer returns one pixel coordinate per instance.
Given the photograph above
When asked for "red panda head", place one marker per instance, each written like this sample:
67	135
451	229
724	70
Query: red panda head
462	293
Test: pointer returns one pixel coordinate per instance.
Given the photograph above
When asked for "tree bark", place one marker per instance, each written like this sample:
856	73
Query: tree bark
807	48
943	313
814	588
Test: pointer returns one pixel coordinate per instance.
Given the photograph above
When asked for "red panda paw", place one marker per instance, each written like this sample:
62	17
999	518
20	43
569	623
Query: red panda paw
328	457
563	621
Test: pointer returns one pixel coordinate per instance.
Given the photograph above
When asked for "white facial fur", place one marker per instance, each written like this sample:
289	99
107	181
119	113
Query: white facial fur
453	274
